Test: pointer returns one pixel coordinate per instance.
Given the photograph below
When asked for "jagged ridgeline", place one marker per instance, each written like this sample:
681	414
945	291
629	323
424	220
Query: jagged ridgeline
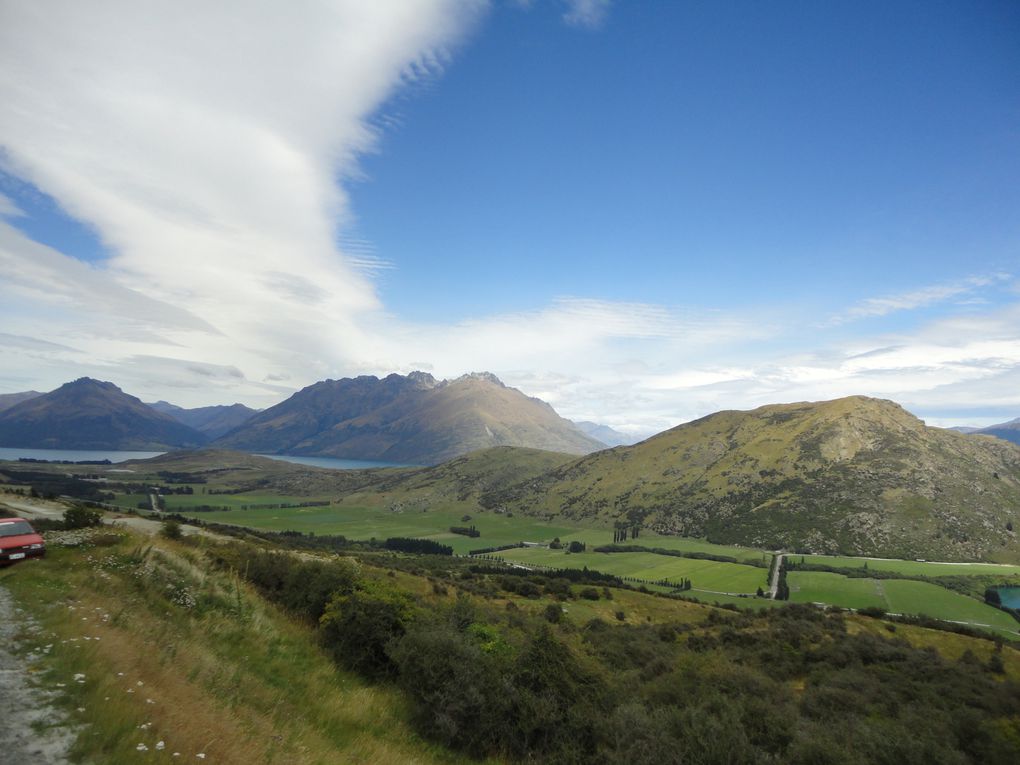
854	475
413	419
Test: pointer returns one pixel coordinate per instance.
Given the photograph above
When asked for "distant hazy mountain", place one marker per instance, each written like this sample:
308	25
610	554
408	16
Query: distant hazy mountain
964	429
605	434
1007	431
213	421
413	419
7	400
89	414
855	475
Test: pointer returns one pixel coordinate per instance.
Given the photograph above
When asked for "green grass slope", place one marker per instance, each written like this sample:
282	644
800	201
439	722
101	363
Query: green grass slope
855	476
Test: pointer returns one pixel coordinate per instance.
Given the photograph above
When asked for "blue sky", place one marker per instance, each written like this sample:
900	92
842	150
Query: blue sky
639	211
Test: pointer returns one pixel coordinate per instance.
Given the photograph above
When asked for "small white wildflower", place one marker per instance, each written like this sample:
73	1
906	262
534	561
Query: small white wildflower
149	701
200	755
81	709
160	746
142	748
139	683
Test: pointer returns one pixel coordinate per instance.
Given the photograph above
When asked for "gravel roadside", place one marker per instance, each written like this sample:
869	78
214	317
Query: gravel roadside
32	730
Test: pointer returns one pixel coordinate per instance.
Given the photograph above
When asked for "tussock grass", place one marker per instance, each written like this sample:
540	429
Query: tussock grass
192	657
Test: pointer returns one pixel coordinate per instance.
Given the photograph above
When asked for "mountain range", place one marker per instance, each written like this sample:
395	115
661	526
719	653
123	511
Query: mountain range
212	421
7	400
410	419
855	476
1007	431
89	414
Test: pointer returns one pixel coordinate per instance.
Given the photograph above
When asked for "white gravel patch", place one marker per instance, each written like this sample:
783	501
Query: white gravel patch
32	730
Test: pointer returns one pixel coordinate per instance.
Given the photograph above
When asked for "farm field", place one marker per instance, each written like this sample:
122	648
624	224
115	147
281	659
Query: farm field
183	502
704	574
835	589
373	522
913	567
595	537
906	597
898	596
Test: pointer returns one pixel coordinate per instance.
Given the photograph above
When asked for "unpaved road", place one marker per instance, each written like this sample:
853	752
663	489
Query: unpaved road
24	705
30	509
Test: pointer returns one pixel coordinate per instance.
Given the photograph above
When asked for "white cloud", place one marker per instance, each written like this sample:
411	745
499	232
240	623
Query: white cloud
204	149
920	298
203	142
586	13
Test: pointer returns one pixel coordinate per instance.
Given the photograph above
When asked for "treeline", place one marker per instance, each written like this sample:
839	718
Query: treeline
467	531
616	548
788	685
53	485
418	546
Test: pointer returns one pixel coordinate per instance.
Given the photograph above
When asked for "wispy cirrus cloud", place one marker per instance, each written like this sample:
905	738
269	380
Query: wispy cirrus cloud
962	291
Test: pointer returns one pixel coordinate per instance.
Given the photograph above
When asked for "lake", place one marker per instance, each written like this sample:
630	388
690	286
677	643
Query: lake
333	462
1009	596
73	455
89	455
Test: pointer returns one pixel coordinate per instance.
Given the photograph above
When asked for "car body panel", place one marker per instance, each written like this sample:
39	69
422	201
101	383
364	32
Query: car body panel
20	546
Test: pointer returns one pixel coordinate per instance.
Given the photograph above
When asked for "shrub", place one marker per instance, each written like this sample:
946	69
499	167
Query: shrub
81	517
358	627
171	529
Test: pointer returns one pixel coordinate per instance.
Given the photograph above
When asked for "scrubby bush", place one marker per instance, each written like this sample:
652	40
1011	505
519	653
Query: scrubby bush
81	517
359	626
171	529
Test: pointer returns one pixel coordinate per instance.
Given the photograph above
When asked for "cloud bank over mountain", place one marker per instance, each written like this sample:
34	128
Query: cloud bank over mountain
209	150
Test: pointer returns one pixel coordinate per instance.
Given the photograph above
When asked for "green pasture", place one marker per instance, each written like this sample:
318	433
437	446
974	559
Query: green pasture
898	596
380	523
596	537
907	597
184	502
704	574
130	501
835	589
912	567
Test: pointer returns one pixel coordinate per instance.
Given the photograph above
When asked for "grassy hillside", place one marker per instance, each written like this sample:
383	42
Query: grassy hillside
855	475
252	655
172	650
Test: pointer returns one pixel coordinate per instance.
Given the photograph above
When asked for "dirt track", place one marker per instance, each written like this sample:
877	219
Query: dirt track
23	705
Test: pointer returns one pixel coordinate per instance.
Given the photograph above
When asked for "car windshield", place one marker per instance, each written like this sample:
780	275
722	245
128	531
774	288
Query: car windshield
15	528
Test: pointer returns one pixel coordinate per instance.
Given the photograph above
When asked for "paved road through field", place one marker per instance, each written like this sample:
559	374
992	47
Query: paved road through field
774	587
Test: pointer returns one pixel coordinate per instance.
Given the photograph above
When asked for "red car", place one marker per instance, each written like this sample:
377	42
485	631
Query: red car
18	541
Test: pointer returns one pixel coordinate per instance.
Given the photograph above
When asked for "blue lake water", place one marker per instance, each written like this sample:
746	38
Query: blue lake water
89	455
73	455
1009	597
333	462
